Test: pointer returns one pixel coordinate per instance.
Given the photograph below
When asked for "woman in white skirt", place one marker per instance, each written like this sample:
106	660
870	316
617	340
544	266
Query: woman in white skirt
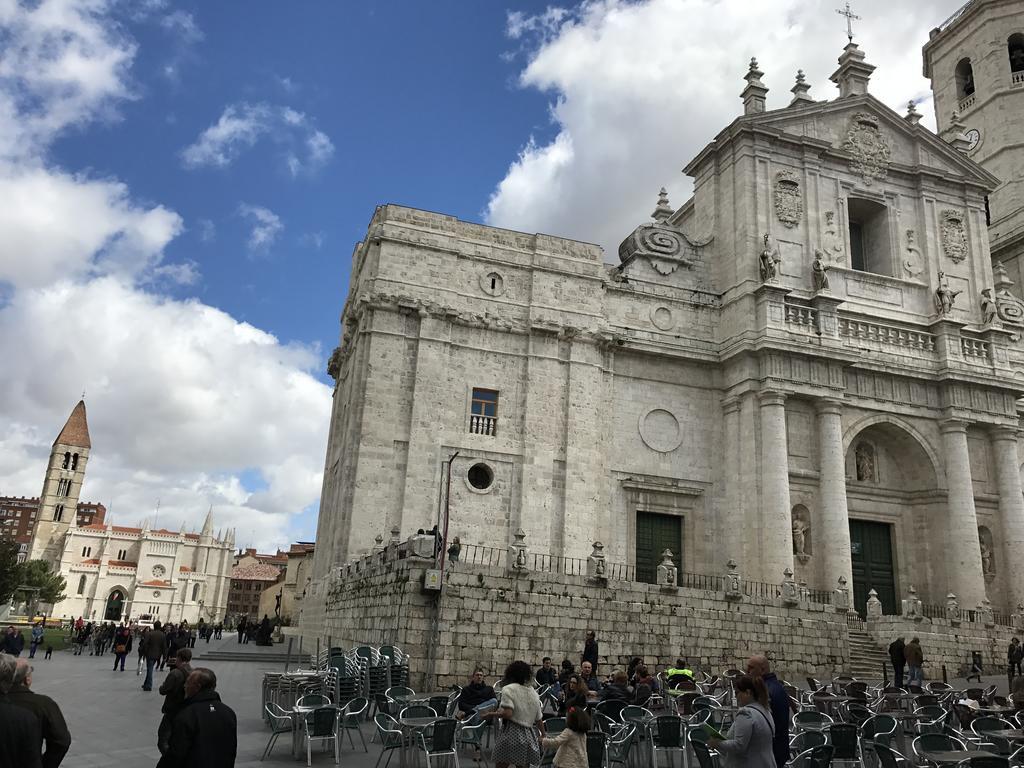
520	710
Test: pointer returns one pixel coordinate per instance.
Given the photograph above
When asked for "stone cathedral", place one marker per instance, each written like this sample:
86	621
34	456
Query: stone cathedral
812	364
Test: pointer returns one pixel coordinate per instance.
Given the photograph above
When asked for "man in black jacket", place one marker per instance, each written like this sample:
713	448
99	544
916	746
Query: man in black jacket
899	660
473	695
205	731
173	690
154	645
20	740
51	720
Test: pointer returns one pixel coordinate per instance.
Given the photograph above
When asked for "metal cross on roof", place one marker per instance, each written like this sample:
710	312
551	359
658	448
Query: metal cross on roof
850	16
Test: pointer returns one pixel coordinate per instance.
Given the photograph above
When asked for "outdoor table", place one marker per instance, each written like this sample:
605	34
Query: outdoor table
829	700
413	725
953	758
1010	734
298	719
901	716
997	710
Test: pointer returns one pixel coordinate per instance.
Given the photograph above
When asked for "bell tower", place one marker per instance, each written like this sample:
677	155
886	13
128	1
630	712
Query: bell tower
58	502
975	60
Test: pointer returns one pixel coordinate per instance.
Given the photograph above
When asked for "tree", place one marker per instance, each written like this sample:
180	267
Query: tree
9	569
36	573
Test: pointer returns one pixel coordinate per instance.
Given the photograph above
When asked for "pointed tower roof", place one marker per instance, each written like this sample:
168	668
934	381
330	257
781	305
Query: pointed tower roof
76	429
208	523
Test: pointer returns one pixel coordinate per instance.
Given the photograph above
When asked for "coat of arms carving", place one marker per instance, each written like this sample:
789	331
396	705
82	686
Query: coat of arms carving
869	148
954	236
789	205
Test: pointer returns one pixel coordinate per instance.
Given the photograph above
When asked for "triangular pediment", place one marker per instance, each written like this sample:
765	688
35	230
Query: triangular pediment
862	128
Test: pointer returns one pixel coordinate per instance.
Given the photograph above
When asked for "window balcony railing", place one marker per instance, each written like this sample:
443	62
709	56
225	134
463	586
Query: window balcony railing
886	334
974	348
483	425
967	102
1017	78
806	317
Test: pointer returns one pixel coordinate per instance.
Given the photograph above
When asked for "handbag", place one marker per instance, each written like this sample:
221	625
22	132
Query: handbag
120	648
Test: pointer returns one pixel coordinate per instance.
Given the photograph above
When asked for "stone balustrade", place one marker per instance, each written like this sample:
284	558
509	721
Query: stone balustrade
886	335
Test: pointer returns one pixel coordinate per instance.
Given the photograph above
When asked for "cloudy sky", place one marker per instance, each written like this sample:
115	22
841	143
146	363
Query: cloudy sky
182	185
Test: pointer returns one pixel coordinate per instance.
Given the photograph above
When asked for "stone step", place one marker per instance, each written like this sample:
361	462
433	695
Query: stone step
263	658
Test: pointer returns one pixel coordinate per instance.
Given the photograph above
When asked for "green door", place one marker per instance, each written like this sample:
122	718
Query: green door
654	534
871	549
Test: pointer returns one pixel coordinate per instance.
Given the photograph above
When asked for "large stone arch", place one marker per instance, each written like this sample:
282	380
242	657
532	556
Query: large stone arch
892	426
111	601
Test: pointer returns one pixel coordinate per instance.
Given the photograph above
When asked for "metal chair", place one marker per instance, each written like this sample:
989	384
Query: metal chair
634	714
606	724
803	741
877	729
441	705
843	738
985	761
854	712
472	735
280	722
417	710
935	742
440	740
889	757
391	736
350	716
1017	758
666	733
399	693
618	746
810	720
595	750
706	757
321	725
986	723
815	757
313	700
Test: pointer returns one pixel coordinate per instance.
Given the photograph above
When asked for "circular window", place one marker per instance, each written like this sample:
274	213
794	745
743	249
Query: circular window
156	593
159	570
480	476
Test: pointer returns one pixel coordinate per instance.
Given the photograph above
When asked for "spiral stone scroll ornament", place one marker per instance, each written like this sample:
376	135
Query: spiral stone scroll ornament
664	247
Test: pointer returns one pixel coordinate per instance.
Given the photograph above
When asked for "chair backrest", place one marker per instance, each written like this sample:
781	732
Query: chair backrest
878	725
667	731
554	726
811	717
926	700
856	713
390	732
439	704
975	693
988	723
888	757
313	700
443	735
704	759
356	706
595	749
807	739
320	722
635	714
618	746
417	710
704	702
936	742
684	703
399	692
612	709
819	757
605	723
844	739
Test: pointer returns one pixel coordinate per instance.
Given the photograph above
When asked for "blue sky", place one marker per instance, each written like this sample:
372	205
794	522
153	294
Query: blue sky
184	184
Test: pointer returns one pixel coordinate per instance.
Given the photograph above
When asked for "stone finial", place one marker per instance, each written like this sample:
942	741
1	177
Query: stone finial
874	606
799	91
913	116
733	587
379	540
662	210
952	609
841	596
667	574
803	590
1002	280
854	73
789	590
912	605
984	613
754	95
517	560
1018	618
954	133
597	567
396	535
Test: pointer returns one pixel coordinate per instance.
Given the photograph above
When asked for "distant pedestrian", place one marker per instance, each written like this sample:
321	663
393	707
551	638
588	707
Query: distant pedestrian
14	641
1014	656
590	651
897	655
122	645
204	733
36	640
155	645
173	690
54	731
915	661
454	550
242	622
142	649
20	734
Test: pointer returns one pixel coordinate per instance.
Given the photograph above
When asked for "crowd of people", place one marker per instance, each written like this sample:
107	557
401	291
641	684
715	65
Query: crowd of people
259	632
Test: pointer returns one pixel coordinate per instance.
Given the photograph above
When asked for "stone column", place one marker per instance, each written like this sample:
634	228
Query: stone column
963	551
732	521
776	510
1011	512
832	539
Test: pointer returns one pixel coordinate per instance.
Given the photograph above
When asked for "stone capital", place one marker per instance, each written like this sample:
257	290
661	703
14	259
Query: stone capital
827	405
953	425
731	404
771	397
1000	432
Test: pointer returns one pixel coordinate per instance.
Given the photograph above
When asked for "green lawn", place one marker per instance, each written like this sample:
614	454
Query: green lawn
54	636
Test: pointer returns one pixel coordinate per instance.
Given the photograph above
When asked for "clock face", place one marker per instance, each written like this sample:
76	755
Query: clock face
973	137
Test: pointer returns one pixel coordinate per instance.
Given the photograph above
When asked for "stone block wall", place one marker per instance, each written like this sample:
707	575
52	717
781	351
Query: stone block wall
488	617
945	644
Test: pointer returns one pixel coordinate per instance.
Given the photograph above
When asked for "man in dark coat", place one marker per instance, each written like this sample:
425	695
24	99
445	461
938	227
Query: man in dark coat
898	659
20	739
778	702
474	694
54	731
14	641
154	644
173	690
205	731
590	651
242	626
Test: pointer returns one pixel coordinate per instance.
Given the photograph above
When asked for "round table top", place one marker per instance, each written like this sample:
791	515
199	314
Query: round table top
418	722
954	757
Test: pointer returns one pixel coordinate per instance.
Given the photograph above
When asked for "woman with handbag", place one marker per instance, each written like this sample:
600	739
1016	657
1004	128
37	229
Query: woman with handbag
122	645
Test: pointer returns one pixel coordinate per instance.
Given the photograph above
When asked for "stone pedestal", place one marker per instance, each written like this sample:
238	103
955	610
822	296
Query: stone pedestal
841	596
789	593
953	610
667	574
1011	511
912	605
731	582
517	553
776	510
597	566
873	610
963	550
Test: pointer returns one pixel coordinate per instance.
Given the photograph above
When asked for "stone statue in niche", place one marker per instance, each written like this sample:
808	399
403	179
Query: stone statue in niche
988	564
869	149
789	205
819	272
913	264
944	296
769	263
954	236
832	239
801	533
864	459
1009	308
988	306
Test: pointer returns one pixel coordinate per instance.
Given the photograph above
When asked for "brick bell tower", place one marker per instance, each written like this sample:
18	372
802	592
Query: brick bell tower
58	502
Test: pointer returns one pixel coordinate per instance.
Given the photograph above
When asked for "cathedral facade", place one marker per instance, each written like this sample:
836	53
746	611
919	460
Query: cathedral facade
116	573
812	365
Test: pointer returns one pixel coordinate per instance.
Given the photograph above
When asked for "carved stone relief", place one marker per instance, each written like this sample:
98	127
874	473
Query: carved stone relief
819	272
789	204
801	533
1009	308
954	235
869	148
832	241
665	247
988	558
864	459
334	363
768	262
913	262
945	296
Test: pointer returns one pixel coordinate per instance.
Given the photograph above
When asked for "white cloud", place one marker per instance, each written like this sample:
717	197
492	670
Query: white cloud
639	88
183	26
185	402
304	147
265	226
207	230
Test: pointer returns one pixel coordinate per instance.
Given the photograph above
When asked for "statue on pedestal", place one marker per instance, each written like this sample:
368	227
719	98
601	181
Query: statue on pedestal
944	296
819	272
769	263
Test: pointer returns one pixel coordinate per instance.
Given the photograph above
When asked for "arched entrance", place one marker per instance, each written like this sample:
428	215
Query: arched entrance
115	606
894	505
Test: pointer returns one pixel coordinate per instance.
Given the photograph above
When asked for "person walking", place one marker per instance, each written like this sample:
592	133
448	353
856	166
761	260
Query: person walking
590	651
897	655
204	733
915	661
36	639
242	622
154	647
753	732
141	638
53	729
173	690
1014	655
20	733
122	645
517	743
14	641
779	704
571	744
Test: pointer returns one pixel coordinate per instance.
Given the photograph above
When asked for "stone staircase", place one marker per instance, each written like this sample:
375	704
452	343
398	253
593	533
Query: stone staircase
866	658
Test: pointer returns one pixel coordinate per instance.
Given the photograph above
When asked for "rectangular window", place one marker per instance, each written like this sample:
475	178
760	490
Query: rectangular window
870	247
483	412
